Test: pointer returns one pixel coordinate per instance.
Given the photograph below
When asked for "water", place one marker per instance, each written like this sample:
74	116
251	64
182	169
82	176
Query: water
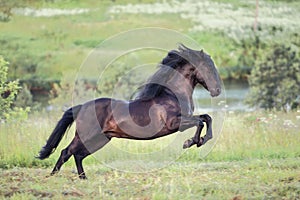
231	99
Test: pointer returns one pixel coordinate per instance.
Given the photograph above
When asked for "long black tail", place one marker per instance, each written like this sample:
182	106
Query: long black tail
59	131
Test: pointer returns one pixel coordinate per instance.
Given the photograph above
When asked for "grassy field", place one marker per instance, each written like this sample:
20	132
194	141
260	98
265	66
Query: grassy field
257	156
247	179
49	48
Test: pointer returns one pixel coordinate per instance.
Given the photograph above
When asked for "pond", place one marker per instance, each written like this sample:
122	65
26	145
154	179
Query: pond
231	99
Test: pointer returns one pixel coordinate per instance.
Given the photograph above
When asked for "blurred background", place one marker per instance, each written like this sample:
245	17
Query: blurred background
45	43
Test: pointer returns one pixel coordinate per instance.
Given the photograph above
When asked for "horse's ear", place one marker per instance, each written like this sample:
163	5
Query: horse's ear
182	47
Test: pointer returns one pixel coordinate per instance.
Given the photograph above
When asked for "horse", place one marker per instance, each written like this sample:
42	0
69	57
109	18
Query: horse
164	105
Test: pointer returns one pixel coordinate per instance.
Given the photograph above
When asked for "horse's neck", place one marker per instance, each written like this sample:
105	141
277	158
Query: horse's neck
183	90
186	103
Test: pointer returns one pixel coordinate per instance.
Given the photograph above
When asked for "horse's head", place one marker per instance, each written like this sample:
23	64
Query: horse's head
205	72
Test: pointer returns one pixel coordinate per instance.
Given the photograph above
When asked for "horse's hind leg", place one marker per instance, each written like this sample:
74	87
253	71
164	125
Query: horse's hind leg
80	152
66	154
88	147
78	160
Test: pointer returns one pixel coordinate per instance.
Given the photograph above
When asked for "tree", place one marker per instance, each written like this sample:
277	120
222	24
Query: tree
6	7
8	92
275	80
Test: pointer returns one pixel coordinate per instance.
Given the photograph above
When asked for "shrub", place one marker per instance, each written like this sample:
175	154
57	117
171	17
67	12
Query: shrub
8	92
275	80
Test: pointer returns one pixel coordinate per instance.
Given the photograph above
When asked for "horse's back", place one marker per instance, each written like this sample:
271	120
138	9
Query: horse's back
92	116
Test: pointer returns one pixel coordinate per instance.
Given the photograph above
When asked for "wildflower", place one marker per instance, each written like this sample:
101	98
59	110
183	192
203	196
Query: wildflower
288	124
235	22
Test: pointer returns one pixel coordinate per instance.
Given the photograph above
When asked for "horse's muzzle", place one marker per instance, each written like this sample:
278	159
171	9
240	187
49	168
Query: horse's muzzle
215	92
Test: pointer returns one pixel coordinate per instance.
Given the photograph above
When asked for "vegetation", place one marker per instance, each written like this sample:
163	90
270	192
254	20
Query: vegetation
252	179
256	156
275	81
8	92
53	48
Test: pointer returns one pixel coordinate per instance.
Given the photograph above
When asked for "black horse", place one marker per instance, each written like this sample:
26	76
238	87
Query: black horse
163	106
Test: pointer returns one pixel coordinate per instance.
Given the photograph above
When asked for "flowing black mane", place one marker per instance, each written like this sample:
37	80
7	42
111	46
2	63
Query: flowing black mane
153	88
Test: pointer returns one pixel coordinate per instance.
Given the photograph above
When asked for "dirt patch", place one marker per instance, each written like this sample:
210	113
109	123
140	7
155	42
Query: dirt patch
73	192
36	193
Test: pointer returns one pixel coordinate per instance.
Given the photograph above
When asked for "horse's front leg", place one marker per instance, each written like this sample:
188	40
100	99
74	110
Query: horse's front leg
197	139
186	122
208	120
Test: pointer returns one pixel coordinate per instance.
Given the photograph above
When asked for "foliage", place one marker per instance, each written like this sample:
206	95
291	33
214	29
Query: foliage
255	44
236	72
87	43
275	81
25	99
6	9
8	92
118	80
7	6
251	50
67	94
111	77
226	16
54	46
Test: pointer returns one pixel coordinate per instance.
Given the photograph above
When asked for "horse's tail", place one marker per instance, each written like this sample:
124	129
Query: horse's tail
62	125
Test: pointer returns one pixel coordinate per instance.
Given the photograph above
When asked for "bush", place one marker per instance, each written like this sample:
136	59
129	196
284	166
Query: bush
275	81
7	6
8	92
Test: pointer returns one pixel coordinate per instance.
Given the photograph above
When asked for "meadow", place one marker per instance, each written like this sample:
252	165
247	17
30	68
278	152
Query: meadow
48	48
254	155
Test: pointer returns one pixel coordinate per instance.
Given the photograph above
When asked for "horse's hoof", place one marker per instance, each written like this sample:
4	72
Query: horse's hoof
188	143
82	177
201	142
53	173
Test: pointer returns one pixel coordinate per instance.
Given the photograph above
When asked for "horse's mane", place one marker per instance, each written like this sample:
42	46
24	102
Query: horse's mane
154	87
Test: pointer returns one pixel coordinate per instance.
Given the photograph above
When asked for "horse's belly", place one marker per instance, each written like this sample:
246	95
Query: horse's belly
144	122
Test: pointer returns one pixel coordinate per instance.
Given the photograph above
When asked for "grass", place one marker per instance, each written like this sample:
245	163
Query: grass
56	46
256	156
255	179
243	136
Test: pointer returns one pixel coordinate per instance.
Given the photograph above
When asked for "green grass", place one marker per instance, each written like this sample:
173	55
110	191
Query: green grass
51	48
58	45
256	156
244	136
254	179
